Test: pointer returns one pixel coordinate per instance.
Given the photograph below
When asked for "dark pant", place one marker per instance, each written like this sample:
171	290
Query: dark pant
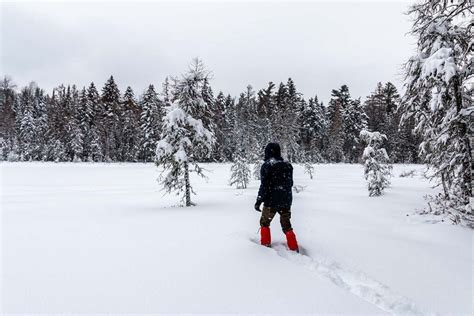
268	214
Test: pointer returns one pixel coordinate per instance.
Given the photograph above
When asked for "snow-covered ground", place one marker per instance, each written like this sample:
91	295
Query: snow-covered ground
103	238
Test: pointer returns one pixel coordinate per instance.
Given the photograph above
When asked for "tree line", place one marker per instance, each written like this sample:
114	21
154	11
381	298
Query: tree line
106	125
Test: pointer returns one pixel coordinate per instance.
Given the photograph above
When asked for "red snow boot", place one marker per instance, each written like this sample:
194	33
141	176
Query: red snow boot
266	238
291	240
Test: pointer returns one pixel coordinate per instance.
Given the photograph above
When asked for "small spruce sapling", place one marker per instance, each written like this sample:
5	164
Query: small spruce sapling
240	172
377	168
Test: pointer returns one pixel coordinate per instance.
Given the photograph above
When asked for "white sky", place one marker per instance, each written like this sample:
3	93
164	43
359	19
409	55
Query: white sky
321	45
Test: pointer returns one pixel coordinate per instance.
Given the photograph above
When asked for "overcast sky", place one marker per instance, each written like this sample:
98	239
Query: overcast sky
321	45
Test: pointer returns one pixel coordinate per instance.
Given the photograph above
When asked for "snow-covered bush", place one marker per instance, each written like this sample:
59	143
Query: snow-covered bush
408	173
183	136
377	168
240	172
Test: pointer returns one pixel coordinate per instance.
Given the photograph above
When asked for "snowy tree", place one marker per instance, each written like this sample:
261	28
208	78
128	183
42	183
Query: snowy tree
7	116
240	172
286	114
439	97
313	130
184	137
26	123
109	113
93	143
335	150
377	169
75	136
131	119
355	120
150	123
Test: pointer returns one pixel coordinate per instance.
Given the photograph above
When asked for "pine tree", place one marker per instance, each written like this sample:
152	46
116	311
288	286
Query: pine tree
75	136
355	120
26	123
377	169
336	126
439	96
131	121
229	126
109	114
184	137
150	123
218	153
240	171
8	117
94	118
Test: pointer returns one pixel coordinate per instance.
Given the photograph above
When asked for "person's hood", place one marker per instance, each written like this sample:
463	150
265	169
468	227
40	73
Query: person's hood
272	150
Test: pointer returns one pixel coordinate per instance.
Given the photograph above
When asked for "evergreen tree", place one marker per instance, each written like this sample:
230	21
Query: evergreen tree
109	116
93	119
355	120
8	117
131	121
229	126
75	137
220	128
336	125
150	123
377	169
439	97
184	137
26	123
240	171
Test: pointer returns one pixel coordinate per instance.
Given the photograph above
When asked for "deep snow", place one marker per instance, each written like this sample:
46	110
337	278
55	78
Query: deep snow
103	238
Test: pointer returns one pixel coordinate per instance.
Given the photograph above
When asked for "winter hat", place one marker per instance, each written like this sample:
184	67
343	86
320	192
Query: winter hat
272	150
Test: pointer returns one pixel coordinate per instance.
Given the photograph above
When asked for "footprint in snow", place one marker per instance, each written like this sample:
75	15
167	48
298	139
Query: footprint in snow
353	281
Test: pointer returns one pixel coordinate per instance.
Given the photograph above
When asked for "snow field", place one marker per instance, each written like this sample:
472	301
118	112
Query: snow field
102	238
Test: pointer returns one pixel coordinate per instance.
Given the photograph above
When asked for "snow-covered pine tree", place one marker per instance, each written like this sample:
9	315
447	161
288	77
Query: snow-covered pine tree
229	124
109	112
209	115
439	96
313	127
218	153
264	128
377	168
240	171
183	137
355	120
245	127
335	149
26	123
131	121
75	137
150	123
8	116
95	152
285	119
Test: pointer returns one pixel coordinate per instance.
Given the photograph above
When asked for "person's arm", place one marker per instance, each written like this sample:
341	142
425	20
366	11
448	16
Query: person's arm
291	175
263	190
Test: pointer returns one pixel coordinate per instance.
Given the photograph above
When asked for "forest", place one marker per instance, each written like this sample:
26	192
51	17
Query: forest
105	124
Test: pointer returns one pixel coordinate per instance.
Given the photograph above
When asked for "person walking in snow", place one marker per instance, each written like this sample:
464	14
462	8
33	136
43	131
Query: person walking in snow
276	176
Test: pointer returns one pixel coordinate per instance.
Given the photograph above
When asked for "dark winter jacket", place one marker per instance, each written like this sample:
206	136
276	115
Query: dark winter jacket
276	176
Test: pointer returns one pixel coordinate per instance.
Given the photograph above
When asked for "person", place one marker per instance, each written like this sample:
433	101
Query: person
276	176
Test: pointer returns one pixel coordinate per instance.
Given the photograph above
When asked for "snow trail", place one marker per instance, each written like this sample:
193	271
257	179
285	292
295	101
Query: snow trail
353	281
